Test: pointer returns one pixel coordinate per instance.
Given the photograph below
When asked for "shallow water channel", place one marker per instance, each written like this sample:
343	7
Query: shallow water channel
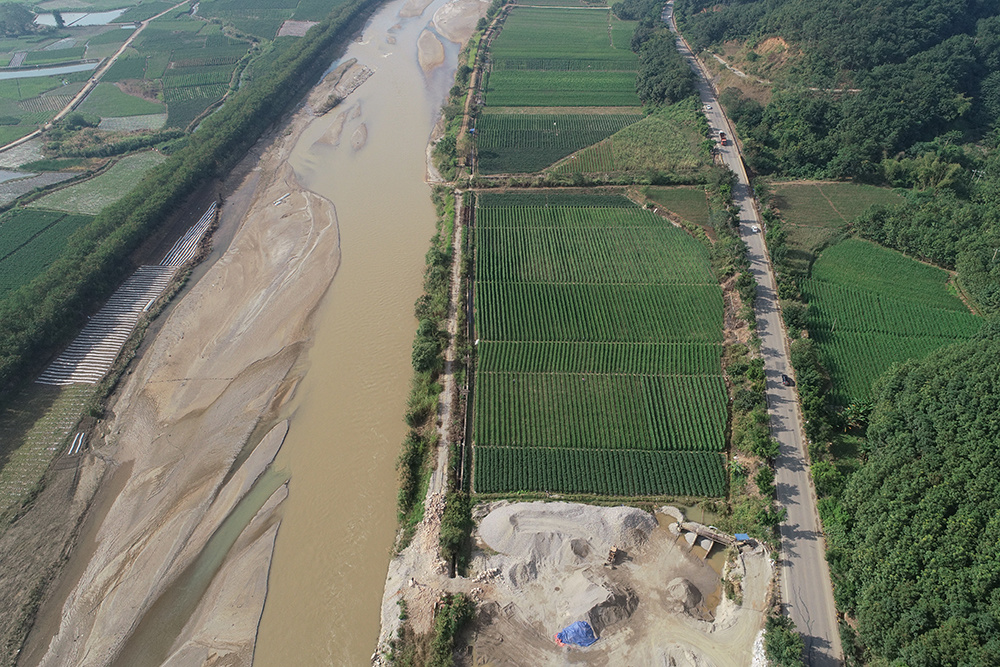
333	548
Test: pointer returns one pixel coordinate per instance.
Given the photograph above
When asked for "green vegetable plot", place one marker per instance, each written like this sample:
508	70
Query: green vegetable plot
870	308
598	370
517	142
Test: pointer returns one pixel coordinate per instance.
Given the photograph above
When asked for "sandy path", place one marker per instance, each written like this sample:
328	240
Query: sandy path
222	362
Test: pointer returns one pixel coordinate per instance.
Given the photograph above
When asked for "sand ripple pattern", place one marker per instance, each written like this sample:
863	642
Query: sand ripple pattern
91	355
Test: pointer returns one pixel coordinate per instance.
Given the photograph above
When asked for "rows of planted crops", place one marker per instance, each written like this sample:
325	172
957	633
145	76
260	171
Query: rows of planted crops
598	361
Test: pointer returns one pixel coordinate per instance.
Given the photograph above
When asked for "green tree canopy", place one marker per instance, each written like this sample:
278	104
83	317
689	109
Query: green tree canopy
922	545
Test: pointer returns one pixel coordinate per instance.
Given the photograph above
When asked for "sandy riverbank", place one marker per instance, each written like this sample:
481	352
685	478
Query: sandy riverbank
195	424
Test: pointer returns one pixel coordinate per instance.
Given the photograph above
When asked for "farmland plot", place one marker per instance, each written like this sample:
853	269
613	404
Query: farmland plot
529	142
599	368
817	212
580	36
579	88
92	195
690	204
670	140
870	308
30	241
559	60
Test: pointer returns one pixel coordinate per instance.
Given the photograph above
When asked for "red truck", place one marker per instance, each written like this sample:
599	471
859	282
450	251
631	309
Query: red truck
722	139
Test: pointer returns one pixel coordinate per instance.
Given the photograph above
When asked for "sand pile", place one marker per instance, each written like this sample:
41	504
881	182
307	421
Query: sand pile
564	533
554	553
682	596
543	566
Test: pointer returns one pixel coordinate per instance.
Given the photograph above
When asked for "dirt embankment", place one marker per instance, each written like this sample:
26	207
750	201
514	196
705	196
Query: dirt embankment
193	427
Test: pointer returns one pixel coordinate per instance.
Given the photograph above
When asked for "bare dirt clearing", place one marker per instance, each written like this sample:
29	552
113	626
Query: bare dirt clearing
540	566
655	607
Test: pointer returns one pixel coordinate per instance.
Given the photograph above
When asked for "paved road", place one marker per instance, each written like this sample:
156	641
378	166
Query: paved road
805	577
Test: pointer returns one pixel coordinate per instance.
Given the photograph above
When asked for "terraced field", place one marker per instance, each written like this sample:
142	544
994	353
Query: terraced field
600	330
870	308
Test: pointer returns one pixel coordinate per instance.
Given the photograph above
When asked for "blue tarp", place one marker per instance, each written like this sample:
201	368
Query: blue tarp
579	633
742	537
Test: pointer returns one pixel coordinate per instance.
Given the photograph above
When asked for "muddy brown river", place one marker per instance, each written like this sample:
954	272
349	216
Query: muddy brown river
339	520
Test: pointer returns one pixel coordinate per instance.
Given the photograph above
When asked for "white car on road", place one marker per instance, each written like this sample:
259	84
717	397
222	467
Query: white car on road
754	228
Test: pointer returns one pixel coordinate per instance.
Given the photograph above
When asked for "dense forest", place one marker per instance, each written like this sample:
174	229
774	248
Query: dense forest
919	70
40	316
664	77
915	543
903	94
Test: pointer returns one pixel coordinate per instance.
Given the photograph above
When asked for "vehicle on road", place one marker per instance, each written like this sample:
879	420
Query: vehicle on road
722	138
787	381
708	107
754	228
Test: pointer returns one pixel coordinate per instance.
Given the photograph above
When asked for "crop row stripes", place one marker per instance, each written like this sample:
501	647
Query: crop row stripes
185	248
90	356
92	353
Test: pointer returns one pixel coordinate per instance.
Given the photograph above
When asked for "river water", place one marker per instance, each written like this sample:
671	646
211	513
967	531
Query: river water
333	548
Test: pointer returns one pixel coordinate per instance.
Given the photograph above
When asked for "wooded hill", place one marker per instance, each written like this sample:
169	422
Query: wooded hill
914	544
922	69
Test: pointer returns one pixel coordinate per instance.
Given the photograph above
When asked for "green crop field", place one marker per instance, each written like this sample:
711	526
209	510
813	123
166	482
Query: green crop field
600	330
31	240
602	471
262	18
517	142
689	204
547	57
870	308
828	204
132	67
186	104
27	103
565	61
559	34
146	10
670	140
107	100
544	88
817	212
561	3
92	195
54	56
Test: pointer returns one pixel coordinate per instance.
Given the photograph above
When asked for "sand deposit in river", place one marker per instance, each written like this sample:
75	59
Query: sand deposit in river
456	21
430	51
